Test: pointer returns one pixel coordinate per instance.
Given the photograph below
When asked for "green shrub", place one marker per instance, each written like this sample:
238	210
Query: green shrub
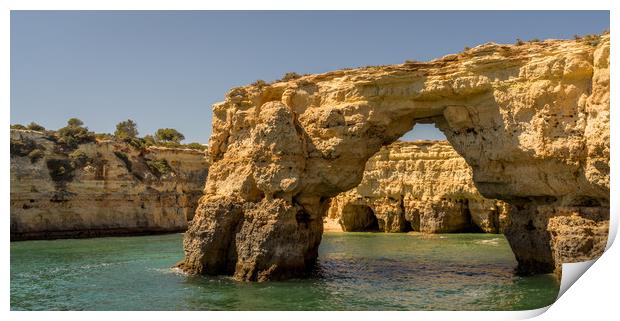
127	129
592	40
104	136
60	170
412	62
35	155
79	158
75	122
197	146
290	76
123	157
35	126
149	140
259	83
535	40
159	167
74	134
22	147
137	143
169	135
18	126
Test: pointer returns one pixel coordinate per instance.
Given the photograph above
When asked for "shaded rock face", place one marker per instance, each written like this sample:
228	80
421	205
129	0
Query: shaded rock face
531	120
102	188
360	218
423	186
559	234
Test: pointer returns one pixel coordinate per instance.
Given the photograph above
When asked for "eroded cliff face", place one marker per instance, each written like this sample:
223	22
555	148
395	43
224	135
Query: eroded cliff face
100	188
423	186
531	120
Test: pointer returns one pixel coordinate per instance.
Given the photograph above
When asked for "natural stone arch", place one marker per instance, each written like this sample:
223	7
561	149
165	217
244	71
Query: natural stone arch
531	120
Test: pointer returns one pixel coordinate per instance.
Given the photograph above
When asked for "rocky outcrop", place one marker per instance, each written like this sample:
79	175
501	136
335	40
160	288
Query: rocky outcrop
420	186
531	120
100	188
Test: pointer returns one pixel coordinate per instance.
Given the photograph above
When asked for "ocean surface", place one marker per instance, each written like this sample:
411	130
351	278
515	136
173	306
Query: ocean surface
356	271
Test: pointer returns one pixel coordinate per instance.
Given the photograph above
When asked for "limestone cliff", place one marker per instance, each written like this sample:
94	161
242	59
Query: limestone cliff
417	186
531	120
100	188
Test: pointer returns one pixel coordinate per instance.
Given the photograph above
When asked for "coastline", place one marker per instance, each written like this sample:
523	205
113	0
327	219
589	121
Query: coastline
85	234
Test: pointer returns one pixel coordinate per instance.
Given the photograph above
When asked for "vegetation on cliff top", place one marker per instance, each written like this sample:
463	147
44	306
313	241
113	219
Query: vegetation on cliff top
67	157
76	133
127	129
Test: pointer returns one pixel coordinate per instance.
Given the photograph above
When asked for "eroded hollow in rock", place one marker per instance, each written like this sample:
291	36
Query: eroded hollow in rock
359	218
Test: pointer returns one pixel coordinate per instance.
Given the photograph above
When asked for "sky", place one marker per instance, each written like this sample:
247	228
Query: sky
166	69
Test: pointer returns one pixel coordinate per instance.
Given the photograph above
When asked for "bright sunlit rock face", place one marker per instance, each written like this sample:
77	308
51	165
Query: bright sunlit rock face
531	120
422	186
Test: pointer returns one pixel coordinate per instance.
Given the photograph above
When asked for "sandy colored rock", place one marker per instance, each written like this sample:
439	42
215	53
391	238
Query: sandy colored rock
531	120
102	188
416	186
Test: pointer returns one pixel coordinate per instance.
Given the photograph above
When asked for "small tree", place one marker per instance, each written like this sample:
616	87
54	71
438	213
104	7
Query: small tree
74	133
18	126
35	126
74	122
169	135
126	129
149	140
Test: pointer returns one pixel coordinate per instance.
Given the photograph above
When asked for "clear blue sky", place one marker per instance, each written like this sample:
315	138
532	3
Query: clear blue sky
165	69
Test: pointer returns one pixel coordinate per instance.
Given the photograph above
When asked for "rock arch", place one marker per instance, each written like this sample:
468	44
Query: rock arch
531	120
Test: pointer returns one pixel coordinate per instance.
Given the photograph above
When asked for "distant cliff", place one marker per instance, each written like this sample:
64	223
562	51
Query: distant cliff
100	188
416	186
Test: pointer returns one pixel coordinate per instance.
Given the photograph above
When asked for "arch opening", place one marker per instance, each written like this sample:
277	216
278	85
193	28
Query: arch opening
418	183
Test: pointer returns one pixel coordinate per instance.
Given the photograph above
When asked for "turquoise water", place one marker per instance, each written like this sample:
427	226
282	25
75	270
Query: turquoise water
356	271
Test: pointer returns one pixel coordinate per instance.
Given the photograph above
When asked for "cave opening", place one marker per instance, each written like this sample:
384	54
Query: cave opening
359	218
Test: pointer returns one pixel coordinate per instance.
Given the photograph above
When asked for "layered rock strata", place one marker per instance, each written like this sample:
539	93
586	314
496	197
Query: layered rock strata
531	120
100	188
423	186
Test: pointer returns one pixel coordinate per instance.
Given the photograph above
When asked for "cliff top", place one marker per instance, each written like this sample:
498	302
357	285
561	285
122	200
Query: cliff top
48	135
484	55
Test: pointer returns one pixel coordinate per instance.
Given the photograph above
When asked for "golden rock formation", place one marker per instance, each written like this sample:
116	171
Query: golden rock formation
531	120
100	188
420	186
